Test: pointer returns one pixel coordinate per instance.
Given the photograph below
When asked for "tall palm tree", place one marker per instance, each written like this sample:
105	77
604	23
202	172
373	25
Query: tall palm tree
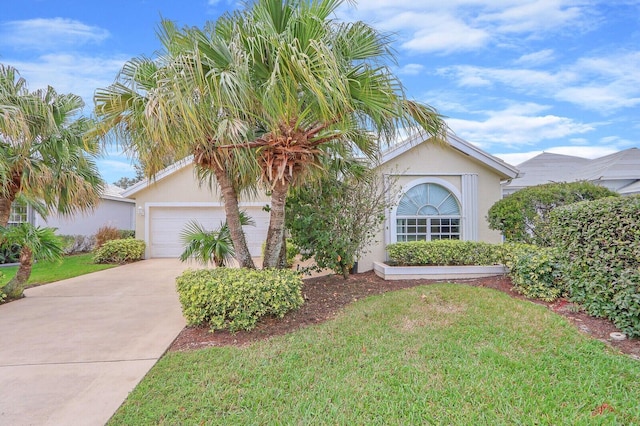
45	154
176	106
319	83
41	243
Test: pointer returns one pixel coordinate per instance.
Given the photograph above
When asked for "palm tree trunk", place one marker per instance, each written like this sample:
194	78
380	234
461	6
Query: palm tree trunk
5	211
231	209
14	289
275	234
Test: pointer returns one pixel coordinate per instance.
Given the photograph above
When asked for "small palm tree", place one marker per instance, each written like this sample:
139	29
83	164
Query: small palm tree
35	242
210	246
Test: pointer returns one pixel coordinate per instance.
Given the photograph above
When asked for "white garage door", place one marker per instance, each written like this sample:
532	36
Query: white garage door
166	224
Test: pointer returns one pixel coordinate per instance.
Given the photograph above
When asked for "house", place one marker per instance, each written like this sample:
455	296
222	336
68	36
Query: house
112	210
443	191
619	172
165	204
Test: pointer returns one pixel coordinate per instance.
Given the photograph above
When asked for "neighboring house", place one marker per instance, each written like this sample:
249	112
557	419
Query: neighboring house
113	210
619	172
443	191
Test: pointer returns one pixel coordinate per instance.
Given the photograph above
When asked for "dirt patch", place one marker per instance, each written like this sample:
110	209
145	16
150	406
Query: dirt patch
325	296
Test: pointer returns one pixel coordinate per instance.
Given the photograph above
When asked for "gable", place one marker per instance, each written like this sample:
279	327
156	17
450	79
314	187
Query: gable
454	150
436	158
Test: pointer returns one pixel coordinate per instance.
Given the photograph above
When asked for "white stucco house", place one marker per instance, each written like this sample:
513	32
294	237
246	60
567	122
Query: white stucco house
444	191
112	210
619	171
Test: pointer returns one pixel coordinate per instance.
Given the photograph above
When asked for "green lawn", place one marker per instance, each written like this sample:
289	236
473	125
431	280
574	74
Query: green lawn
440	354
46	272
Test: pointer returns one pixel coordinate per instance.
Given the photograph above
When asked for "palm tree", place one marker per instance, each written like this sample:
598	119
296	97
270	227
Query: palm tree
41	243
319	84
45	156
210	246
175	106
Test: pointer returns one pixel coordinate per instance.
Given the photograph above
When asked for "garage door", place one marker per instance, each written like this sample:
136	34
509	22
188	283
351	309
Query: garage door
166	224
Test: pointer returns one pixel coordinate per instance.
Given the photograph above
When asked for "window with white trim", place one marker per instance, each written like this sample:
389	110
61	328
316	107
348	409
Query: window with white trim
19	213
428	211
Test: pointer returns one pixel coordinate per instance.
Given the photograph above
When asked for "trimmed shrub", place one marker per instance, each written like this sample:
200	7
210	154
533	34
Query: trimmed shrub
235	299
600	246
523	216
120	251
535	271
74	244
106	233
445	252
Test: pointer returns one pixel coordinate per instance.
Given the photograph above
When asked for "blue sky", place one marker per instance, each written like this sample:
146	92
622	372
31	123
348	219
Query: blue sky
514	77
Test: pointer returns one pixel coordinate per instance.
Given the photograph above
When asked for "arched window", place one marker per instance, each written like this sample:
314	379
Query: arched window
428	211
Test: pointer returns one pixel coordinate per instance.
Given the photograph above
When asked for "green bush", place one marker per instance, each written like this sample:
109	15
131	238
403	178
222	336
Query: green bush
120	251
445	252
535	271
523	216
600	246
235	299
127	233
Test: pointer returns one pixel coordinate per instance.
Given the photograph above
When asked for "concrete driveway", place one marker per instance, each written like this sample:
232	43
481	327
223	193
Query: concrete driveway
71	351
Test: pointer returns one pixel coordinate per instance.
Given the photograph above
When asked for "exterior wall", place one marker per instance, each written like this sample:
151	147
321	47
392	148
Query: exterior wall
119	214
442	164
179	189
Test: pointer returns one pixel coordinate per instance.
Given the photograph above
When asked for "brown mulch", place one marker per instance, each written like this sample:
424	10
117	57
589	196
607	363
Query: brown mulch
326	295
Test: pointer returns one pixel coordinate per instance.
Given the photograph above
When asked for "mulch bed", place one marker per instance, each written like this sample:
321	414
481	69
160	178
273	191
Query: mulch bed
325	296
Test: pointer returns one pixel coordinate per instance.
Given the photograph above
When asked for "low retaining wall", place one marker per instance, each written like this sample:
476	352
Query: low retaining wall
387	272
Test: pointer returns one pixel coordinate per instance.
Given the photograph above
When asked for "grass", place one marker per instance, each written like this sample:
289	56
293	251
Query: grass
46	272
440	354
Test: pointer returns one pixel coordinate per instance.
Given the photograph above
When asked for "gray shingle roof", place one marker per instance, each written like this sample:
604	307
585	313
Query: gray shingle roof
548	167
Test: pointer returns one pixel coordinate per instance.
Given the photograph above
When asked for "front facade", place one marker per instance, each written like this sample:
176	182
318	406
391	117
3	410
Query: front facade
440	191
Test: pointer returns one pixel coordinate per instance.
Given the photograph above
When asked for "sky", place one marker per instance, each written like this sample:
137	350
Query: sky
513	77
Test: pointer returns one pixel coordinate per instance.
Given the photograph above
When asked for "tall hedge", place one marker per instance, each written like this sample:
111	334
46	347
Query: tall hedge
600	243
522	216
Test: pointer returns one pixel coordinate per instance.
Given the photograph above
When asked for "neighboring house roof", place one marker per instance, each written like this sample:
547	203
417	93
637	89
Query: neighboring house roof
113	192
634	188
506	170
546	168
622	167
502	168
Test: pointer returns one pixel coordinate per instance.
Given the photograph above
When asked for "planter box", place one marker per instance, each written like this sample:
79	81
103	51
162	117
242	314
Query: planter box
387	272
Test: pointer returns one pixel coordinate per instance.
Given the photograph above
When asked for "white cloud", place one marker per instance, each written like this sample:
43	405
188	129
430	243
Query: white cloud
70	73
462	25
538	58
516	126
411	69
603	84
46	34
534	16
444	33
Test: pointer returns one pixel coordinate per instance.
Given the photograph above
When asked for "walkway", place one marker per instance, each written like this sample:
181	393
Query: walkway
71	351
